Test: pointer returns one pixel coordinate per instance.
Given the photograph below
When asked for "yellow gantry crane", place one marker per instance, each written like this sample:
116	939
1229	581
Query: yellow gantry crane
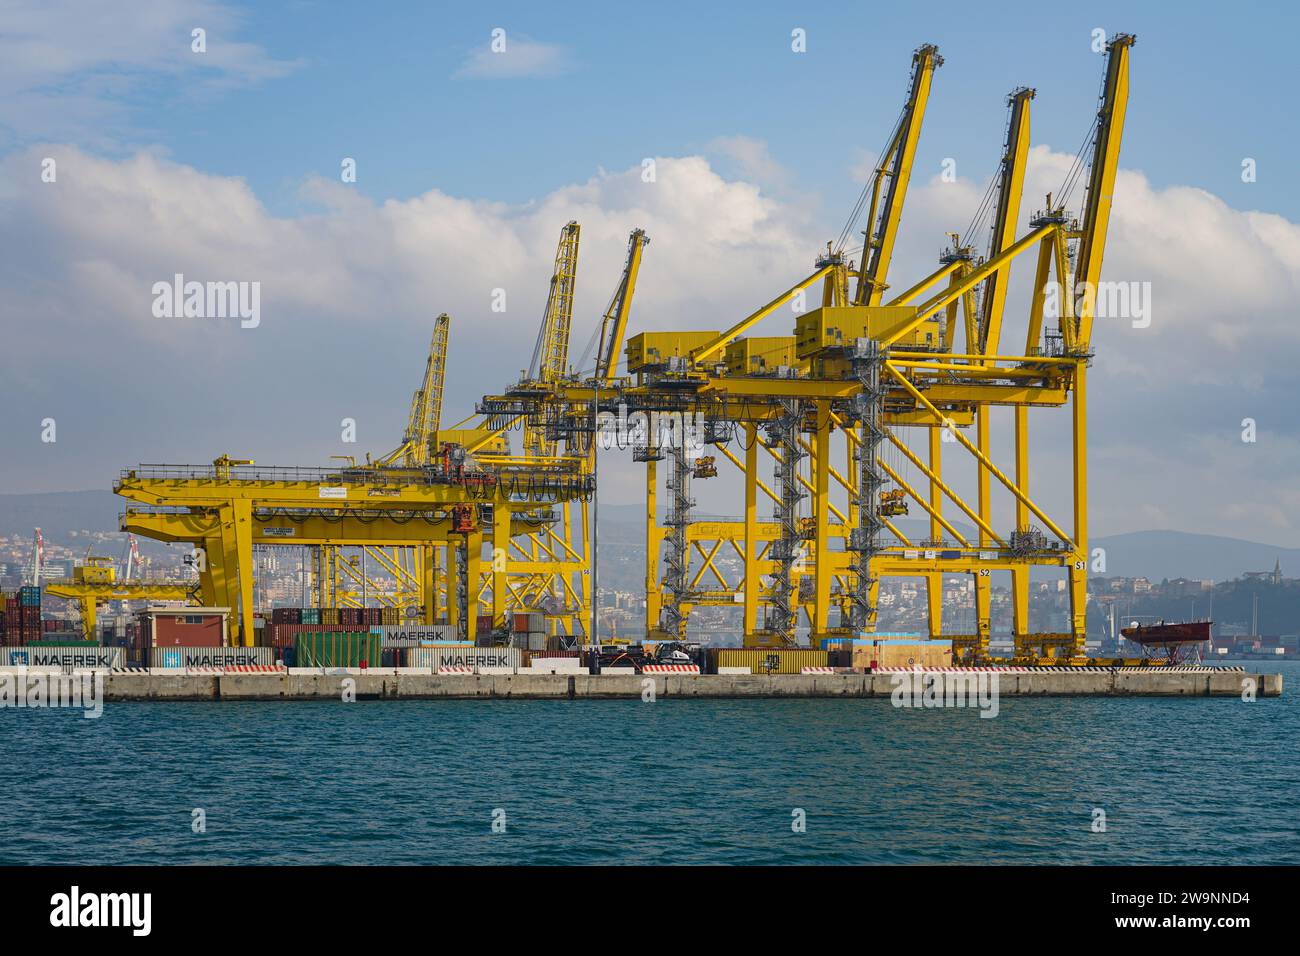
876	371
95	582
871	369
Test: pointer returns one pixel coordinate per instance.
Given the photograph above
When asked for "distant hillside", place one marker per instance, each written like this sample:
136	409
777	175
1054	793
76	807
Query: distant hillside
1181	554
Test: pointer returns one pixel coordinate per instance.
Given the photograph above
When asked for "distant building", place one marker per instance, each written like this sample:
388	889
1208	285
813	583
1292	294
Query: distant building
1272	577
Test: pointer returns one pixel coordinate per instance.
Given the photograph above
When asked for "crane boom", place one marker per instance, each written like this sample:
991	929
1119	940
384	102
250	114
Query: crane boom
425	415
551	354
896	166
1101	180
1011	181
614	324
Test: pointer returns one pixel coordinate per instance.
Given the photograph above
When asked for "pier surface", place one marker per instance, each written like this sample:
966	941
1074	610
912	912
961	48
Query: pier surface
394	685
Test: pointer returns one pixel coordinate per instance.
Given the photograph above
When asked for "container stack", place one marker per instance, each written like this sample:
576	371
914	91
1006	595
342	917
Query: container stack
528	630
8	613
22	616
353	617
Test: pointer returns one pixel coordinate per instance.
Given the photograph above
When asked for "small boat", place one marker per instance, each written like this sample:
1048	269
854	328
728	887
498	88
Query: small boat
1172	638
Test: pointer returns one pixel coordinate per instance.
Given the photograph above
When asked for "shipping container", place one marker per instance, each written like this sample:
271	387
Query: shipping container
285	635
208	656
339	649
901	653
68	658
286	615
763	660
409	635
464	656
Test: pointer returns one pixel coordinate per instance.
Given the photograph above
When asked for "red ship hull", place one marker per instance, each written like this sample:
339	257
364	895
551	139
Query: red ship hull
1189	632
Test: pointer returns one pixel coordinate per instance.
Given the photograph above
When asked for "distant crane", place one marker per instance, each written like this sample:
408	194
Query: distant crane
425	416
38	558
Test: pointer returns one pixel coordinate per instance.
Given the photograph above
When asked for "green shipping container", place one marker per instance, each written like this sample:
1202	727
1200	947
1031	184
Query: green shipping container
338	649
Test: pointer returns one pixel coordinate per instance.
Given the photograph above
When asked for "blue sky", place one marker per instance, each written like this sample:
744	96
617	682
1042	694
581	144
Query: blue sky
225	165
378	82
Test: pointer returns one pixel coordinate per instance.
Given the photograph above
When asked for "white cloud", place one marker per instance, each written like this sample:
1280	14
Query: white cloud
349	292
348	295
66	66
751	157
520	57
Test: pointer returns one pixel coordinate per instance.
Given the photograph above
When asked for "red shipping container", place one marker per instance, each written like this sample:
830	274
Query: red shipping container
285	635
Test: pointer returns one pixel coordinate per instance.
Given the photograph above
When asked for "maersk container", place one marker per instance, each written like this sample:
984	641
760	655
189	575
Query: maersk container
411	635
209	656
339	649
765	660
463	656
68	658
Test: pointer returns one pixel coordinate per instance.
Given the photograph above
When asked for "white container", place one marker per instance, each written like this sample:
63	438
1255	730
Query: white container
183	657
463	656
64	658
